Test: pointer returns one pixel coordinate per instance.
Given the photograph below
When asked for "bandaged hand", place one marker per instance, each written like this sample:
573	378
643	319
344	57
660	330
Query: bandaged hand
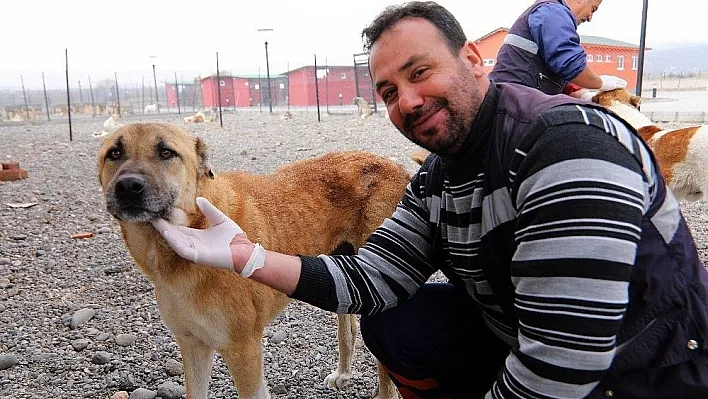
610	82
214	246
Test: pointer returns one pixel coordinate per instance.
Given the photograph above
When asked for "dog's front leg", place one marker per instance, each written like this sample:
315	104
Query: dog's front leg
197	360
244	357
347	328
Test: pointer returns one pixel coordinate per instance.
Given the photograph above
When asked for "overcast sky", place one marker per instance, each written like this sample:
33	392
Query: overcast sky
128	36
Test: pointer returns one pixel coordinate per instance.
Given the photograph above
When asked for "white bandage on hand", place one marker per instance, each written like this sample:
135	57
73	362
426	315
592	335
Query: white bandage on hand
255	261
610	82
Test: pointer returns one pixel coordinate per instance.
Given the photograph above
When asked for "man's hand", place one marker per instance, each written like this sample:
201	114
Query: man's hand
610	82
209	247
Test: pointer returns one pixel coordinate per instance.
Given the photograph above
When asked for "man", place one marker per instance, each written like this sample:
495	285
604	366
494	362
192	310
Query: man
542	50
571	270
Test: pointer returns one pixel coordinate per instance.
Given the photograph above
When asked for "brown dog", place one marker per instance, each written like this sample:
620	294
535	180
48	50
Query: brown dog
309	207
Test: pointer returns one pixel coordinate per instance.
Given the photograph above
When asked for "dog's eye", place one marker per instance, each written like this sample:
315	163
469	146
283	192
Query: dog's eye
166	153
115	154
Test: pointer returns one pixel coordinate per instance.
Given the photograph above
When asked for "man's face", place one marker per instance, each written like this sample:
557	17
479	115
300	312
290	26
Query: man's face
585	9
431	95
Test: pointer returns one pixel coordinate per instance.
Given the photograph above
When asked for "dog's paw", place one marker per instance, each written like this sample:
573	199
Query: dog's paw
338	380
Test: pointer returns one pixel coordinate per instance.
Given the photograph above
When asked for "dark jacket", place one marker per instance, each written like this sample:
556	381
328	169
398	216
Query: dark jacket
519	60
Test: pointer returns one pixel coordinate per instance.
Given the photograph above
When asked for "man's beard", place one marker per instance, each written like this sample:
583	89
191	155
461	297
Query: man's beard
446	143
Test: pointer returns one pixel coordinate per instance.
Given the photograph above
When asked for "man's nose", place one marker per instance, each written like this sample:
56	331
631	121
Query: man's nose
409	100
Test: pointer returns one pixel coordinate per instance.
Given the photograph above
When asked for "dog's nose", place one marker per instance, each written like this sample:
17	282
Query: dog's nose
131	186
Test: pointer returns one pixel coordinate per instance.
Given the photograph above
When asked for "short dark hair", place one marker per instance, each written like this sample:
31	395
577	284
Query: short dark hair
430	10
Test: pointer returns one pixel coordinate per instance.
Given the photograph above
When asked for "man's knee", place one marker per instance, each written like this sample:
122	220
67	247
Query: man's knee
371	327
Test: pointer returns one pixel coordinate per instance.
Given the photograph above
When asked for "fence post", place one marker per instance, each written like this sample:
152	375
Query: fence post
288	83
46	99
24	94
177	94
154	78
115	75
68	96
93	103
326	86
218	89
317	92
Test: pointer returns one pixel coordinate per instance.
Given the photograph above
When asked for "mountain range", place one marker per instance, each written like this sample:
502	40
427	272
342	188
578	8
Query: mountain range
676	57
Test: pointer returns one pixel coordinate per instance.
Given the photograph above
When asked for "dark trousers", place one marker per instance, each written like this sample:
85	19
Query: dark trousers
436	345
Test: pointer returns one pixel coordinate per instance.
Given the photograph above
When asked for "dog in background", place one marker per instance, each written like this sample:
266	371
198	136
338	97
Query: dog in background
682	153
321	205
151	109
196	118
363	108
109	126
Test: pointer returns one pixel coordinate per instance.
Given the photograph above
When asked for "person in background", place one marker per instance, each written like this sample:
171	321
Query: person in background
542	50
571	271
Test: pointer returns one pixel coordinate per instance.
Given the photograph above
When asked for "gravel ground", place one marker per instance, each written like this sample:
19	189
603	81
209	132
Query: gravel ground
78	320
117	340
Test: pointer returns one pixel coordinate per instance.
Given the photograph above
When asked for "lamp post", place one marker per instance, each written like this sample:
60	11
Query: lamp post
154	78
642	47
270	98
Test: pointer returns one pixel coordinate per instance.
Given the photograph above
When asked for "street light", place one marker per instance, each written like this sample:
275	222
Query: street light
270	98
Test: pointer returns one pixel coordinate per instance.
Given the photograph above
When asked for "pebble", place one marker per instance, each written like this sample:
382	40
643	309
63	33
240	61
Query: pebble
80	344
101	357
142	393
125	339
278	337
173	367
81	316
8	360
170	390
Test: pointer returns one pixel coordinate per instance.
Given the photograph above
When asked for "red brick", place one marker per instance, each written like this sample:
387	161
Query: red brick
13	174
10	165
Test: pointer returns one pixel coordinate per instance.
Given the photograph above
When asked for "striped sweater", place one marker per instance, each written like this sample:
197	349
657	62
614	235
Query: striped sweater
540	221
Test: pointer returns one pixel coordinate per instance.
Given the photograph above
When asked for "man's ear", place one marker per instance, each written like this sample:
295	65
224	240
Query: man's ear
471	53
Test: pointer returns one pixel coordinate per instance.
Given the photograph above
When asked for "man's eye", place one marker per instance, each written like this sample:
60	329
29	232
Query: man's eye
419	72
388	94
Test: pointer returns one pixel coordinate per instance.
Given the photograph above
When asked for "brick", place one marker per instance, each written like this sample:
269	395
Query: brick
10	165
13	174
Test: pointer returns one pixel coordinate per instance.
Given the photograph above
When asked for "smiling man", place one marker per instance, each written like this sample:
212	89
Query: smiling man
542	49
572	273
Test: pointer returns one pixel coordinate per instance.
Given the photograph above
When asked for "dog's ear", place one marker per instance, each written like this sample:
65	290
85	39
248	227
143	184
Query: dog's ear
205	168
635	101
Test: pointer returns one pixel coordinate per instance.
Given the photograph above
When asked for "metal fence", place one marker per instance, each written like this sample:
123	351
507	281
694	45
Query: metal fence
317	85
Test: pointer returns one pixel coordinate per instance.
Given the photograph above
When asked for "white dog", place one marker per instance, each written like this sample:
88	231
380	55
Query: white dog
109	126
682	153
152	108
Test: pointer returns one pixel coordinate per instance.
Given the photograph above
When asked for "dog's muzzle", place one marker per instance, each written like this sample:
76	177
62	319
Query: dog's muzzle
132	199
130	188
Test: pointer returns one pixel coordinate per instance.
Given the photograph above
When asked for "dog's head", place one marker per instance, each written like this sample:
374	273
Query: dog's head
151	170
622	96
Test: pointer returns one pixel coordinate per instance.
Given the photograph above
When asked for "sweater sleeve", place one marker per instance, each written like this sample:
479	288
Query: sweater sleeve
580	197
395	260
553	28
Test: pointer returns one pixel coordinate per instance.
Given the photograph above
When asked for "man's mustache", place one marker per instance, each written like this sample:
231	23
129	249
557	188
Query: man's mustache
412	119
